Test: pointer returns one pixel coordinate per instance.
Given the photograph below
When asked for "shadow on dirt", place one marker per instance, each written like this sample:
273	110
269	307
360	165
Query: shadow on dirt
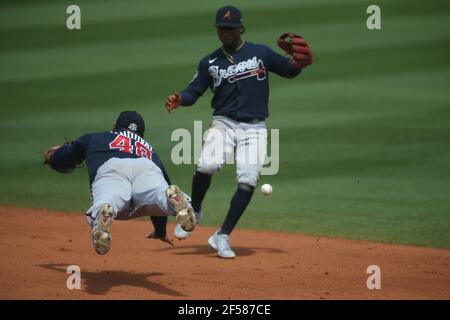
205	250
100	282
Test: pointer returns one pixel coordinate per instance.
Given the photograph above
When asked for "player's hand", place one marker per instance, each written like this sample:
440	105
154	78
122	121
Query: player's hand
163	239
173	101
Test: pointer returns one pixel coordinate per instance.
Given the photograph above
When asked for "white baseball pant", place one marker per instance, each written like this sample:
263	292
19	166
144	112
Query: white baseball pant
228	141
133	187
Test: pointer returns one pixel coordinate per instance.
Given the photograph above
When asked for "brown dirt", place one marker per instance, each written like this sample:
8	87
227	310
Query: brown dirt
36	247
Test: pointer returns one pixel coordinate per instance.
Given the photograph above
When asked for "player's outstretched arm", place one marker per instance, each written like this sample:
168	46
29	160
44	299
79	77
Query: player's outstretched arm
193	91
66	157
62	158
173	101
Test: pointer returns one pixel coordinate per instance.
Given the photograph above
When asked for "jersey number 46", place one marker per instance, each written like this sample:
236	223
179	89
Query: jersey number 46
123	144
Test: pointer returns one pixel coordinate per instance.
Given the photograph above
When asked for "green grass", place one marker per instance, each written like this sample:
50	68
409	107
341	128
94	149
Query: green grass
364	132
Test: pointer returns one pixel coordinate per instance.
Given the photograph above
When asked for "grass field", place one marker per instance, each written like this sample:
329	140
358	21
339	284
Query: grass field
364	132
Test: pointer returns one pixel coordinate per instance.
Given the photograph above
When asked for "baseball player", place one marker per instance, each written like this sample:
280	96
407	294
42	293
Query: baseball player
238	75
127	180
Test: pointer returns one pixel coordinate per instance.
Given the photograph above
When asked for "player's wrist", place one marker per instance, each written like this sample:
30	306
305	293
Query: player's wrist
296	64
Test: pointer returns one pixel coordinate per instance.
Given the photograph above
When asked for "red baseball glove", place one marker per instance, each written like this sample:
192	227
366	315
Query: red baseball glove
297	47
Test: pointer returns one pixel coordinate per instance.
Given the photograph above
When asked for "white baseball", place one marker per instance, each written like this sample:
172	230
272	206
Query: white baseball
266	189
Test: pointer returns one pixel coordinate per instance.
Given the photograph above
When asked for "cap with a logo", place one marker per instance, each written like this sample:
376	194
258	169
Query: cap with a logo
228	16
132	121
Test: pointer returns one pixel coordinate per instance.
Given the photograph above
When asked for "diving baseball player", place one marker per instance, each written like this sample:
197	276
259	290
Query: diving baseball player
238	75
127	180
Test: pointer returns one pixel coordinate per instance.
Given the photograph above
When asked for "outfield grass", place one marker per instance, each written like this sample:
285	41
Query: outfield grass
364	131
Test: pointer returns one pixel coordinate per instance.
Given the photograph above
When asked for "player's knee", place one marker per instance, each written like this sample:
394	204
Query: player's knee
245	189
208	168
248	178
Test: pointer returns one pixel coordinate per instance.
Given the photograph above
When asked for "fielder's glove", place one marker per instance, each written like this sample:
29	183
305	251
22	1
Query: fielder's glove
173	101
62	167
297	47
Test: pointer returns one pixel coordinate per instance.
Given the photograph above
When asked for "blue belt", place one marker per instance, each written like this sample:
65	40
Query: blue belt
246	120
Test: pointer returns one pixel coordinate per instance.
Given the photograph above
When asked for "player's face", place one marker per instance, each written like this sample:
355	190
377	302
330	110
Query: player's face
229	36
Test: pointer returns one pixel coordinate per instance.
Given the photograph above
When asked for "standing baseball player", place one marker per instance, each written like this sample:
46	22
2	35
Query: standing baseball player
127	180
238	75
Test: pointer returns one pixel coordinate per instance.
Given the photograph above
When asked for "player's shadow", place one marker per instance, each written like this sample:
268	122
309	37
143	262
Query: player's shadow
205	250
100	282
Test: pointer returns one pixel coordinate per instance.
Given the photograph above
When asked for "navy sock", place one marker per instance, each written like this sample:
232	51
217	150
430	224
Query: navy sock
200	184
238	204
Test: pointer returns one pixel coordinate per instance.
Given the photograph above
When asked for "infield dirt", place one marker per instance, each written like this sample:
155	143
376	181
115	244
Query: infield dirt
37	246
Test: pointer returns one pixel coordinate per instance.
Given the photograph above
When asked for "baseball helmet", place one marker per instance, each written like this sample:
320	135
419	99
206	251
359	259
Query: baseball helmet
131	120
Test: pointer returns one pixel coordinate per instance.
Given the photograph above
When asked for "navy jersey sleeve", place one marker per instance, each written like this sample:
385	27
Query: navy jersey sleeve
156	160
281	65
198	85
159	224
70	155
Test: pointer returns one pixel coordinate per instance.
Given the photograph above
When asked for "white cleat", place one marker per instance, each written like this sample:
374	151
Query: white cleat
101	237
180	233
221	243
185	214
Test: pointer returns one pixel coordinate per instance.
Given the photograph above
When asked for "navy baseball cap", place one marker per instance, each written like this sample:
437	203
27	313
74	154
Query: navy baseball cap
228	16
132	121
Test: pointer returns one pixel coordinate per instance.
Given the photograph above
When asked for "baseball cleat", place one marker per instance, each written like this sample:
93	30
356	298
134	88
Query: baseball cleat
101	237
221	243
180	233
176	198
185	214
186	219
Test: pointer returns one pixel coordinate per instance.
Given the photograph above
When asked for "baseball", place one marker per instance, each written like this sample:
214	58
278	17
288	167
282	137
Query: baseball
266	189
